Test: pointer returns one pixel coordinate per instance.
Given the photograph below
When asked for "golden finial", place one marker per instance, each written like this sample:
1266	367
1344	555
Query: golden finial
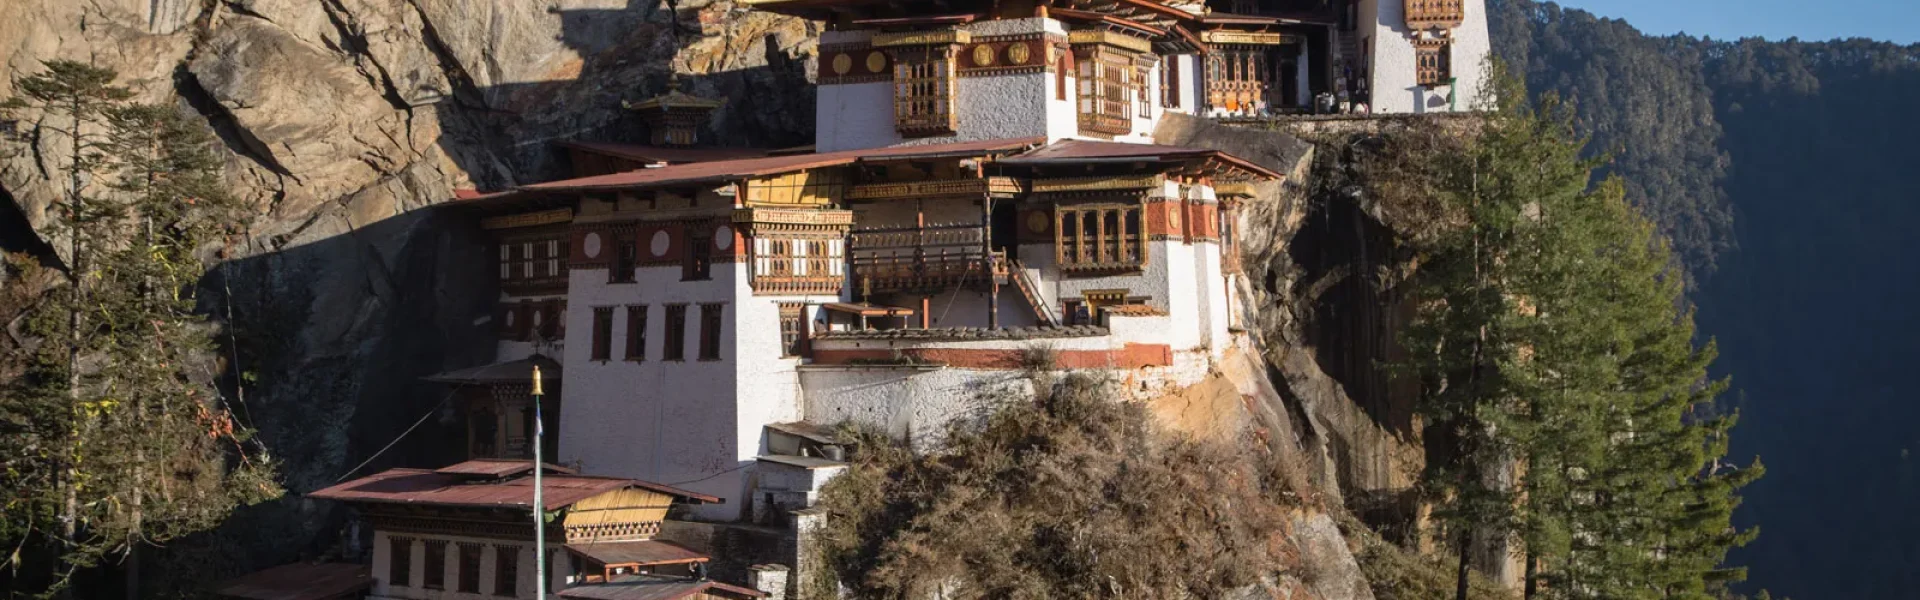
536	381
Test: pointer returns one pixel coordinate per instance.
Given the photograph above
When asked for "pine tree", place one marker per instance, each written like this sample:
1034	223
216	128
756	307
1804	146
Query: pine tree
118	436
1565	378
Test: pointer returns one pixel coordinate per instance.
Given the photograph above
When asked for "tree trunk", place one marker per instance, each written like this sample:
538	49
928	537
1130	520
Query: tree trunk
1460	575
1532	585
70	505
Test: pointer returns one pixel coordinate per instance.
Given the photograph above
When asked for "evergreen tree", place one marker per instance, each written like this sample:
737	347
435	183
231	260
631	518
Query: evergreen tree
1565	376
116	435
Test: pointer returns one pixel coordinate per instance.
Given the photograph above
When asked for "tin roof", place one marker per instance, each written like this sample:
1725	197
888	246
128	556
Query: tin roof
664	154
734	170
299	581
499	467
1083	151
642	553
866	310
655	587
810	431
431	488
804	462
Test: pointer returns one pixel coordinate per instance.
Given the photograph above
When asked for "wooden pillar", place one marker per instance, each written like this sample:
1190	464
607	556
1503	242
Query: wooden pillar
926	312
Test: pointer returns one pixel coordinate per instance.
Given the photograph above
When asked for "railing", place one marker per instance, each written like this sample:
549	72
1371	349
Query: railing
922	258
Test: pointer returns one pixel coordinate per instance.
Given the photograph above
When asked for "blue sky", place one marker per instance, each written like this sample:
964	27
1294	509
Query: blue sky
1890	20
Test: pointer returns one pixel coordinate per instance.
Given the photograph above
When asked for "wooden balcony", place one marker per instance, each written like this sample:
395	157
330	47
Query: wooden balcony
923	259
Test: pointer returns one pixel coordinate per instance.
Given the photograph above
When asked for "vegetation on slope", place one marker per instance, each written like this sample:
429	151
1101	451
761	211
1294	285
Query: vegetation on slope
1066	495
113	435
1564	405
1819	175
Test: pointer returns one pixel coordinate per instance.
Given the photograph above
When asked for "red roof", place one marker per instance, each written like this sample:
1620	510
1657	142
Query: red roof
430	488
499	467
733	170
299	581
643	553
1083	151
654	587
664	154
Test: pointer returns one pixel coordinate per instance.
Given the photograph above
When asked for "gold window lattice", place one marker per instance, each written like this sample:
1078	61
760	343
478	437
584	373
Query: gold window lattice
791	316
1100	237
1433	60
1106	93
923	98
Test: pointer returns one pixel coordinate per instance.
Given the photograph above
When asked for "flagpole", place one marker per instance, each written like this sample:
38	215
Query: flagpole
539	506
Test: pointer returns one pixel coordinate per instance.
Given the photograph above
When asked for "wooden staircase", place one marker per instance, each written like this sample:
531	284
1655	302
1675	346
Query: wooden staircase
1030	290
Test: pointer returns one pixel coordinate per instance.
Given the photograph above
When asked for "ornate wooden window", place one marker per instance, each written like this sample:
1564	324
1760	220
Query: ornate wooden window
710	328
506	570
1238	78
698	263
1106	92
1099	237
400	563
469	576
602	332
533	264
786	266
1170	82
637	332
792	319
923	90
676	342
1434	60
1434	14
436	576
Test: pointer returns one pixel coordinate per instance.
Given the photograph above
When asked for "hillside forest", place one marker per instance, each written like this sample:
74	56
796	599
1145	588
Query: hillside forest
1781	170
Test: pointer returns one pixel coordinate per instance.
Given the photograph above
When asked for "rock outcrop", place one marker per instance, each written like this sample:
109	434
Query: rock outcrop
341	120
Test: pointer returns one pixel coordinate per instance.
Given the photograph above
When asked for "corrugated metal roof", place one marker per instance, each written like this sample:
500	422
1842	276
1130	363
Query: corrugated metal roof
643	553
733	170
655	587
864	309
429	488
513	371
299	581
818	433
804	462
498	467
665	154
1083	151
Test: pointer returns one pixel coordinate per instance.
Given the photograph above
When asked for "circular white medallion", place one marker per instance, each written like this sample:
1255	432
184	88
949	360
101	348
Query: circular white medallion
591	245
659	243
509	318
536	319
723	237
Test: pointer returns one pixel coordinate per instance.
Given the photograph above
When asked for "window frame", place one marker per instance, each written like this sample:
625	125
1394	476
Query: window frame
400	561
696	264
712	329
636	350
925	97
602	348
674	347
435	577
793	323
506	570
1101	237
467	578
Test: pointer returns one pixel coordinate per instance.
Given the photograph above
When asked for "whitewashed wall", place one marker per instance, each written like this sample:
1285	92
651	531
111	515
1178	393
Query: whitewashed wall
1394	74
523	588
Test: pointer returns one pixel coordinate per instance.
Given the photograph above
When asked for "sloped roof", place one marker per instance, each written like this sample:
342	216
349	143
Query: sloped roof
499	467
663	154
431	488
655	587
643	553
734	170
299	581
1084	151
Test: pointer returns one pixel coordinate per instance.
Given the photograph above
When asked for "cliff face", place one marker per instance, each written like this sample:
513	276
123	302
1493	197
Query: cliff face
340	119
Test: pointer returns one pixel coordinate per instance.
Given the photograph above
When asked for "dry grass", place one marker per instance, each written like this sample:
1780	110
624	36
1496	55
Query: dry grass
1064	495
